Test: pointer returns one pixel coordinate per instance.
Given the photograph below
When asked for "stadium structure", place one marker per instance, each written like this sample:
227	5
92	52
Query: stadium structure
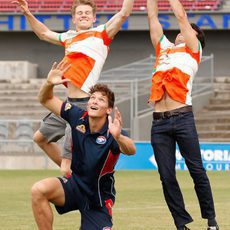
25	62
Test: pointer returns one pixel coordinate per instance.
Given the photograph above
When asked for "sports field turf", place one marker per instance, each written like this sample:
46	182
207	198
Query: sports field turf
139	204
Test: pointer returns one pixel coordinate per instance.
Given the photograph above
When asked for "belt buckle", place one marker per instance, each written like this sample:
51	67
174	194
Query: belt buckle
167	114
163	115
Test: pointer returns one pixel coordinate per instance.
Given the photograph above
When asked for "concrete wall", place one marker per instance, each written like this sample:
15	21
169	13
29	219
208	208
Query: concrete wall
128	46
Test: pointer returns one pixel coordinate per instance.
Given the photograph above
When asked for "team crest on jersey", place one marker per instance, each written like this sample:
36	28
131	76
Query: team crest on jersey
67	106
101	140
81	128
107	228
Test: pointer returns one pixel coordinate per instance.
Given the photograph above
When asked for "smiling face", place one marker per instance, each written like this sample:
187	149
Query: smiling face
98	105
83	17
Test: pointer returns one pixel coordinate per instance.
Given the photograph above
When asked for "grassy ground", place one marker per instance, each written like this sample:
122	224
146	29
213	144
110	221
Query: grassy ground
139	204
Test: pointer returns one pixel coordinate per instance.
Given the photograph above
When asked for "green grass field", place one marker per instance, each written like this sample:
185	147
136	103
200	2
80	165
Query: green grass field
139	203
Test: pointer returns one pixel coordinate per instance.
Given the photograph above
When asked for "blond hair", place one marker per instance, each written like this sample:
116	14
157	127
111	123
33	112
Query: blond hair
77	3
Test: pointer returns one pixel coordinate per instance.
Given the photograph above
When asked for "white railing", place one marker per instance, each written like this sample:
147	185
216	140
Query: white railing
131	84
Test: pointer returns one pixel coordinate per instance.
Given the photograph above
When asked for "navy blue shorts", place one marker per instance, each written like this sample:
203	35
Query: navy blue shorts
91	218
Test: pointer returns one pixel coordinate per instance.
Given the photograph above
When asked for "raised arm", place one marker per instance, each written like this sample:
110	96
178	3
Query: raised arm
115	23
54	77
126	144
186	30
41	30
155	27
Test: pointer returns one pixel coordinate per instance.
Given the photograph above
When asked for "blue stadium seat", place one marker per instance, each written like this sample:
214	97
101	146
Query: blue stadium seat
24	130
3	130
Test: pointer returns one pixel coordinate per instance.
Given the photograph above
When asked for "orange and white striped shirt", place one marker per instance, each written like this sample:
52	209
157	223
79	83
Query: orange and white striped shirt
174	71
86	51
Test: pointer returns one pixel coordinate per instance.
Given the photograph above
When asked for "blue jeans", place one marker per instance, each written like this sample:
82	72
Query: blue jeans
165	134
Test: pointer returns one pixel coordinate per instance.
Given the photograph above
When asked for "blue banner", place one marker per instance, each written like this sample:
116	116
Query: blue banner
215	156
63	22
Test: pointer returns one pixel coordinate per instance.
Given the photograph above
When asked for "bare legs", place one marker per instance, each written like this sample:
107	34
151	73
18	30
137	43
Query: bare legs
52	149
43	192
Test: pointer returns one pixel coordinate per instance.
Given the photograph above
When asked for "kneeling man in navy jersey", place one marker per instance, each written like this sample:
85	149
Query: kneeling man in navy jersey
98	141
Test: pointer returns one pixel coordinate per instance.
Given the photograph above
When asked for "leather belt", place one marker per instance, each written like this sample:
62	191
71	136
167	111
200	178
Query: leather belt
171	113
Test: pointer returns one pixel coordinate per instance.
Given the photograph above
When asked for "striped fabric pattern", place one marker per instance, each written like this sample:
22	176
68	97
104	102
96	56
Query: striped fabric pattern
174	71
86	51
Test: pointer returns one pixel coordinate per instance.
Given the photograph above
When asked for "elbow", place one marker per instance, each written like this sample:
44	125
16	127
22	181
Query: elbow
124	14
132	151
43	36
41	100
181	16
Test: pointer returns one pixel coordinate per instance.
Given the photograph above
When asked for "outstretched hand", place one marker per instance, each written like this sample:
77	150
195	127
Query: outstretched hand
22	4
115	125
55	75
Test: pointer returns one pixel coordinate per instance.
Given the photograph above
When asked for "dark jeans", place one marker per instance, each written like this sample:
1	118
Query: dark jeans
165	134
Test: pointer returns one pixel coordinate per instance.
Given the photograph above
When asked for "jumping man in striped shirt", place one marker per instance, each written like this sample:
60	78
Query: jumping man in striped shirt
86	49
173	121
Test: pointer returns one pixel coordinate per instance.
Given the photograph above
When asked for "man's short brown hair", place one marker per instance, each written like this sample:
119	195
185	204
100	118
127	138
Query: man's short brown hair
105	91
77	3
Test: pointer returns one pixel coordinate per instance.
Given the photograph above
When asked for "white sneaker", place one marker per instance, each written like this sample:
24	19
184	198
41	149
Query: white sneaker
213	227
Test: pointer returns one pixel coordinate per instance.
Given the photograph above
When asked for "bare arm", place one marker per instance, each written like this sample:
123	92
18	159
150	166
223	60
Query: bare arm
41	30
155	27
126	144
186	30
66	167
45	95
115	23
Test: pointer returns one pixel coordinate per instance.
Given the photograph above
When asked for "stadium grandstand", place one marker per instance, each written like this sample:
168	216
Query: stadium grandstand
110	5
128	71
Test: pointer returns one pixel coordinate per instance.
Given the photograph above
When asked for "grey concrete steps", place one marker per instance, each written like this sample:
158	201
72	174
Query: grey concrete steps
214	127
218	101
20	86
19	104
222	86
6	98
21	114
222	94
25	92
218	107
35	116
213	121
19	100
216	139
205	113
30	84
223	79
213	134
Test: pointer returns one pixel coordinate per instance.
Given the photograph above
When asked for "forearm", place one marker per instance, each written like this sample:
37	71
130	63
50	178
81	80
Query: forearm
66	167
152	9
38	28
41	30
127	7
115	23
126	145
46	92
178	9
156	30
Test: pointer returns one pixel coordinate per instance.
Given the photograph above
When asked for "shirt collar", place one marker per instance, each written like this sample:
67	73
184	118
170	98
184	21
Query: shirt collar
104	129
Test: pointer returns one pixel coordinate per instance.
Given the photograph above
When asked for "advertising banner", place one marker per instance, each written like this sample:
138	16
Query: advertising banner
136	22
215	156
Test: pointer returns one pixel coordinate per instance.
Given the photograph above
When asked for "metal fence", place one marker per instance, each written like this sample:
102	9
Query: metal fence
131	84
